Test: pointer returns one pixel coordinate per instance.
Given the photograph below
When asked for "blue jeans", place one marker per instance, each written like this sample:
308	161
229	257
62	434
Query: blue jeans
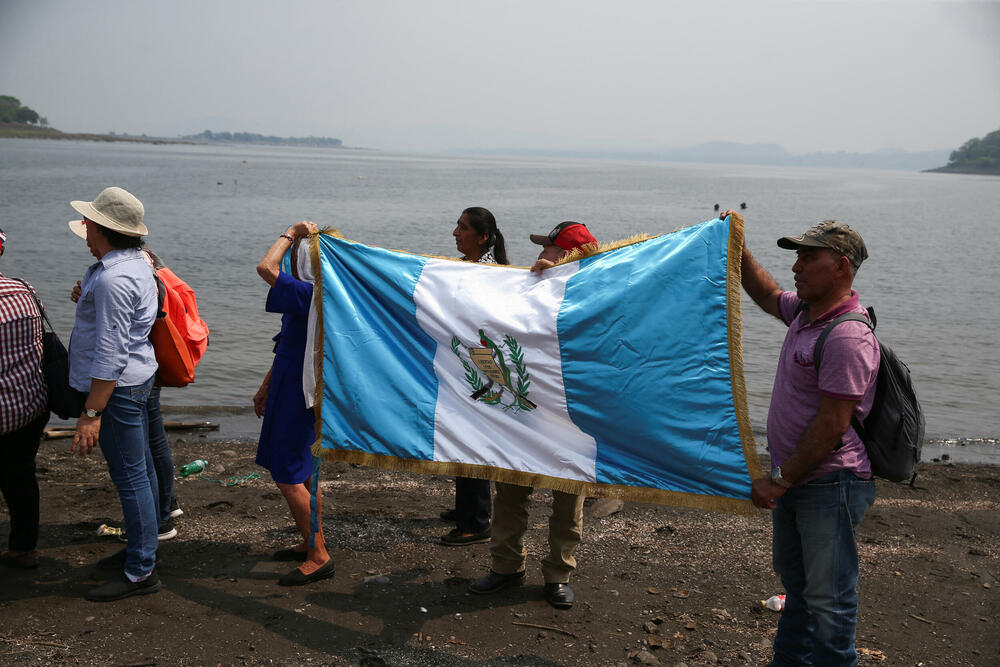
816	556
163	460
124	440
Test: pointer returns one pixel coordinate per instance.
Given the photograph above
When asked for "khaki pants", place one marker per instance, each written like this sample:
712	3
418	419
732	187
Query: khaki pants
510	522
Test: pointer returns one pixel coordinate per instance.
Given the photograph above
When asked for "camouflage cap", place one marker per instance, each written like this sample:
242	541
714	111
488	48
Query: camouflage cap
836	236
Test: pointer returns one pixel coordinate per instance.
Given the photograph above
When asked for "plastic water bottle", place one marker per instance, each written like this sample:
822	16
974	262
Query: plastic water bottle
774	603
193	468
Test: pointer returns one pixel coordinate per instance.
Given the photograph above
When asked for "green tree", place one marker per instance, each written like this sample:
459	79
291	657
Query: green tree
11	110
26	115
977	155
8	108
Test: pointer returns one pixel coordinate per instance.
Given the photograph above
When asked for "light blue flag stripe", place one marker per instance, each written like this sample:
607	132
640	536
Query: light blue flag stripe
369	322
643	376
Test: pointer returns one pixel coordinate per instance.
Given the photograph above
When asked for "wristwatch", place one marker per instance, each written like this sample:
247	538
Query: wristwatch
90	412
779	480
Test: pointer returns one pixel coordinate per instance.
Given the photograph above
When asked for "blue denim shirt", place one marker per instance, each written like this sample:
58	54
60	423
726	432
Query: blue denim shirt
117	306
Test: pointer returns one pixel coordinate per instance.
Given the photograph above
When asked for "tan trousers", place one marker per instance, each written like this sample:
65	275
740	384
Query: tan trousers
510	522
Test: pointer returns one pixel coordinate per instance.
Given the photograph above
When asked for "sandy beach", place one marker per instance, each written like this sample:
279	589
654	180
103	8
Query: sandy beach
654	585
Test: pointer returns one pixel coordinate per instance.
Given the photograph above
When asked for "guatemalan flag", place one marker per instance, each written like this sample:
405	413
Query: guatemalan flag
618	374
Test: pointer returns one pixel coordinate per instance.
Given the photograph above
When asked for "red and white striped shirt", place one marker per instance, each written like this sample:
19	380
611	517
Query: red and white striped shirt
23	393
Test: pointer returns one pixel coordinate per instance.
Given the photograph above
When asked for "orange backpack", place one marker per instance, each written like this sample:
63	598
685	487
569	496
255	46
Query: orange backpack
179	335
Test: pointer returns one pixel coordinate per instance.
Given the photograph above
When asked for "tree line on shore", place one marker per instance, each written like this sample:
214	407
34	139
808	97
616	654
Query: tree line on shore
12	111
252	138
976	156
18	120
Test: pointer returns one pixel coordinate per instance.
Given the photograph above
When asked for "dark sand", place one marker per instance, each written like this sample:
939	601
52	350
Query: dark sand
654	584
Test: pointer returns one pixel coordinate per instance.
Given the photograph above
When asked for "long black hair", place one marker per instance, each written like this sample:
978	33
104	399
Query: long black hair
484	223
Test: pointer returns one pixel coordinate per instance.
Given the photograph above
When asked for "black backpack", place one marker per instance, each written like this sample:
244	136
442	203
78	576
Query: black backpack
893	431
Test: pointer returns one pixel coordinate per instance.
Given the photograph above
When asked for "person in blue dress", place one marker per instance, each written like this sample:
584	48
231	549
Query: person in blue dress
288	430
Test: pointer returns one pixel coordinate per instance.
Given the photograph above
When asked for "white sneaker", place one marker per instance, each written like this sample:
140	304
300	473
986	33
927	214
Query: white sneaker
167	531
175	509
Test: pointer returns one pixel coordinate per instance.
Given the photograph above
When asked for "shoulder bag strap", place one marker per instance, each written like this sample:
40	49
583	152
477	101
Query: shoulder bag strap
38	303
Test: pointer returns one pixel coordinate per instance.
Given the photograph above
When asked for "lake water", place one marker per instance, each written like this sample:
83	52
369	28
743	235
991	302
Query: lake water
213	211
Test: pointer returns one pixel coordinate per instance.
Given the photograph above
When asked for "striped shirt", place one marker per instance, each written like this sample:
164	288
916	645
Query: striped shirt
22	387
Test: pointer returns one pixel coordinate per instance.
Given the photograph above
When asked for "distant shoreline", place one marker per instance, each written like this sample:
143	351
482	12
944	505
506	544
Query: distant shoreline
959	170
24	131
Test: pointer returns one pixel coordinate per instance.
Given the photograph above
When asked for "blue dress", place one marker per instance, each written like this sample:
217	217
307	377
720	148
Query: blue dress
288	431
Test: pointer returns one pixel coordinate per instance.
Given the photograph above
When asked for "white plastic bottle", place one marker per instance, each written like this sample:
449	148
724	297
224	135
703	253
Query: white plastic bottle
774	603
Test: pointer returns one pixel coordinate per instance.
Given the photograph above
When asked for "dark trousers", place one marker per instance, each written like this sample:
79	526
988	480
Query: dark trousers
18	482
472	504
163	459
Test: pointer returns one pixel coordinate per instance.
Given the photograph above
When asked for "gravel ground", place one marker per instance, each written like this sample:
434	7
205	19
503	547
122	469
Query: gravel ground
655	585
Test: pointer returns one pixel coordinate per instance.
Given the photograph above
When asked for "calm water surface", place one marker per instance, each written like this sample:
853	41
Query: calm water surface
213	211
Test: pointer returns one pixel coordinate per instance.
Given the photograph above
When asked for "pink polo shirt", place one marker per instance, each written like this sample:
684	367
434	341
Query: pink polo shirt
848	371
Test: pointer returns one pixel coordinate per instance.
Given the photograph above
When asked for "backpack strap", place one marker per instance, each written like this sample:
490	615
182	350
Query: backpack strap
846	317
161	295
818	352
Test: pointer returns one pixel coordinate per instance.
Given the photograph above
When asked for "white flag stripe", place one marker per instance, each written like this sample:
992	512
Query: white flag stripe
526	307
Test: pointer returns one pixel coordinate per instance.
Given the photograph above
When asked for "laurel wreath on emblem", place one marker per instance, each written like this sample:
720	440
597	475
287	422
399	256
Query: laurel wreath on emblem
491	359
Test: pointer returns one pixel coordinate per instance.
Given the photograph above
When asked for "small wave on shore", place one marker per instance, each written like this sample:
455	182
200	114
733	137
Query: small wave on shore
962	450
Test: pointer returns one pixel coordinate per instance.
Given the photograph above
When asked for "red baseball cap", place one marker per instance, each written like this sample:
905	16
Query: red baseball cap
567	235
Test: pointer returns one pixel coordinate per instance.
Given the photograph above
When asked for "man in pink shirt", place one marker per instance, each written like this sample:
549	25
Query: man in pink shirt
820	484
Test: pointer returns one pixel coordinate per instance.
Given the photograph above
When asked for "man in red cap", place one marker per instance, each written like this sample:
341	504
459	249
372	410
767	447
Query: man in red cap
511	502
562	240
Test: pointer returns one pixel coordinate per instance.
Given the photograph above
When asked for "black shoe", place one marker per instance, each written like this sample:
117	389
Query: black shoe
296	578
116	561
494	582
457	539
449	515
289	555
559	596
167	531
123	587
175	508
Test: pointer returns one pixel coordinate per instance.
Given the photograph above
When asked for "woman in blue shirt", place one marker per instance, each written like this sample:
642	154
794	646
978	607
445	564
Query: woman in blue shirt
112	361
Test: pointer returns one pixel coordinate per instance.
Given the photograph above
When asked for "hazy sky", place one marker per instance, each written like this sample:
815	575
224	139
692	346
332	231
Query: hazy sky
581	74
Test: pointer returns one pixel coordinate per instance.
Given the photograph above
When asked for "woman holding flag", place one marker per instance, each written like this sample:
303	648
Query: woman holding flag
287	434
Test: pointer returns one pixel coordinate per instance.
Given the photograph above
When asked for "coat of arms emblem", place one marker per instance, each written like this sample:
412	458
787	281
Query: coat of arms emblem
500	388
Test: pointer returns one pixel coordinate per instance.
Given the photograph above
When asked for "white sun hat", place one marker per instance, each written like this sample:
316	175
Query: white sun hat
115	208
